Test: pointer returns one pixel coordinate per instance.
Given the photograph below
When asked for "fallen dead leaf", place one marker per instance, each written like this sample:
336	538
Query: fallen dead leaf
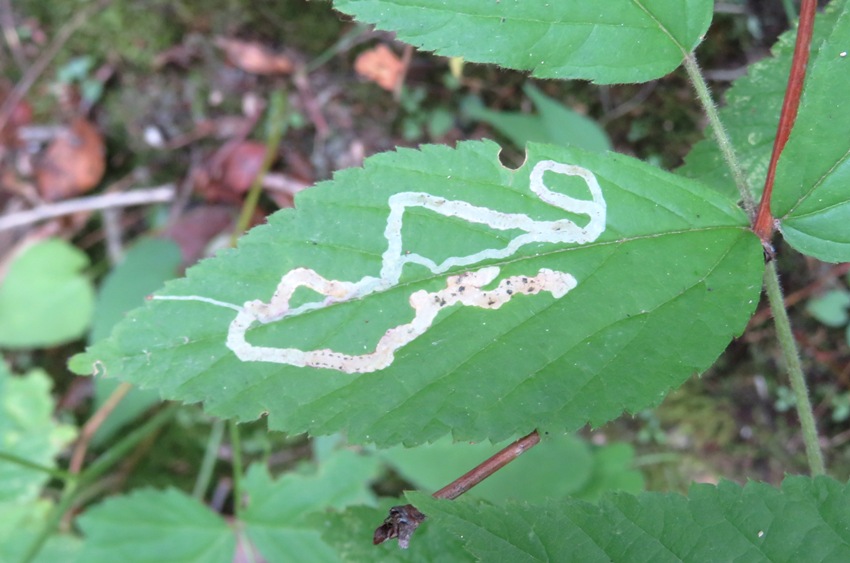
73	163
193	230
229	173
380	65
242	165
254	58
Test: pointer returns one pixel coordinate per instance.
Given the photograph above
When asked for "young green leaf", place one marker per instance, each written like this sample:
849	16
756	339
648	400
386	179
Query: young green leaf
620	41
27	431
149	525
553	123
810	199
44	299
450	293
283	519
278	518
807	520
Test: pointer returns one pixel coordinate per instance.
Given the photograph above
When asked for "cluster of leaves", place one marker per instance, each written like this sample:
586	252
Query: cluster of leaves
674	276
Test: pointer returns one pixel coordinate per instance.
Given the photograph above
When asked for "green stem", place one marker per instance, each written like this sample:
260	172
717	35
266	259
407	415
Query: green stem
69	494
343	44
114	454
236	460
53	472
790	11
208	464
276	124
723	141
795	369
92	472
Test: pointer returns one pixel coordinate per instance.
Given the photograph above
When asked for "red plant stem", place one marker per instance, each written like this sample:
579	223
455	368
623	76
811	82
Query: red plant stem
763	225
488	467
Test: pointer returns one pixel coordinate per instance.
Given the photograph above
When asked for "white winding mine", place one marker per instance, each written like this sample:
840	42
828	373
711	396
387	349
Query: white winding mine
464	289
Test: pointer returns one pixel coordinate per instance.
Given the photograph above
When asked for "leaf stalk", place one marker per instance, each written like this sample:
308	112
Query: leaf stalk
795	370
721	135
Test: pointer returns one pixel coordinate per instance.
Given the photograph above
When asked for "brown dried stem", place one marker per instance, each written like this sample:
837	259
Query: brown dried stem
488	467
93	424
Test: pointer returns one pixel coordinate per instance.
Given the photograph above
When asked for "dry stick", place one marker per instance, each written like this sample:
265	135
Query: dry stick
34	71
406	57
161	194
488	467
7	21
763	226
403	520
93	423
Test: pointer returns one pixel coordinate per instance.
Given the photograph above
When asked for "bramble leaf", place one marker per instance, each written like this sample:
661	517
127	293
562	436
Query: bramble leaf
349	532
149	525
283	519
452	297
807	520
750	115
27	431
281	516
810	199
554	123
624	41
44	299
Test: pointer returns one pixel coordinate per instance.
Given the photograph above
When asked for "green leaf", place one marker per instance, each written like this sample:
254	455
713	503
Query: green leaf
149	525
44	300
627	41
283	518
350	532
751	115
830	308
145	268
554	123
810	199
537	475
807	520
278	515
27	431
148	264
665	275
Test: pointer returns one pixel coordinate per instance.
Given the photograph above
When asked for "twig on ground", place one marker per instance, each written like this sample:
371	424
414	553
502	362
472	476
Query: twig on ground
10	33
406	57
160	194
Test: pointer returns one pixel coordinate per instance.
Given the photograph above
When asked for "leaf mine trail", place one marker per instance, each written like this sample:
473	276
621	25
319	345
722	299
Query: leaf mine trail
465	289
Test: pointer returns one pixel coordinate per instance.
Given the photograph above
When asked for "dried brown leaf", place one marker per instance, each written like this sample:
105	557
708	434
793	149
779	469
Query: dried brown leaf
254	58
73	163
380	65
